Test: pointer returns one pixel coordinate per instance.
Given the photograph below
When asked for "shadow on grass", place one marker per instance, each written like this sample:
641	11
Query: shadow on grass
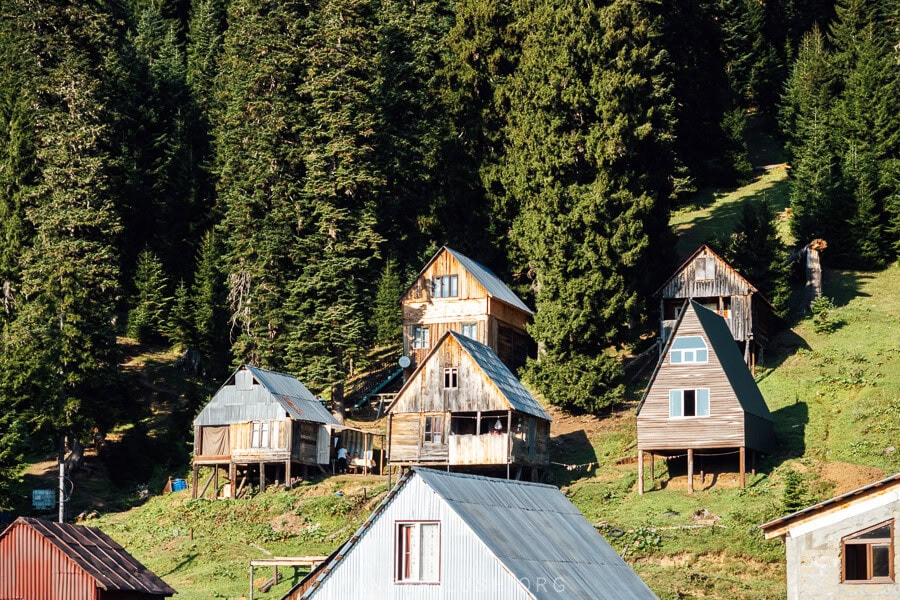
573	457
190	558
790	432
785	344
843	286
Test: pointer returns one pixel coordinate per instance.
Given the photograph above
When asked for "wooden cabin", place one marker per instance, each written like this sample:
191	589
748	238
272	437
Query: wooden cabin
453	535
455	293
257	419
701	396
463	407
707	279
845	547
41	559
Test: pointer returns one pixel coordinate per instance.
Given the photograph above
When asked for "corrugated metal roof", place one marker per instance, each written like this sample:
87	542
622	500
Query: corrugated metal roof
491	283
99	555
535	531
732	362
508	384
275	391
861	491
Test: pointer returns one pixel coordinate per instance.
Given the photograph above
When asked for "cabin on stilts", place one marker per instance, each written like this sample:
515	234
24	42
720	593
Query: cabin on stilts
261	426
707	279
455	293
463	409
701	396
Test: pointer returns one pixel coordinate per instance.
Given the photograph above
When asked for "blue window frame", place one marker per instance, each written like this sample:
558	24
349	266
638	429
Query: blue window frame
689	403
688	350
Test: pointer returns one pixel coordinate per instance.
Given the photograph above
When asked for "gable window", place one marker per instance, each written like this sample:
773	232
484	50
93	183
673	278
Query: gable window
451	378
704	268
446	286
868	555
421	338
470	330
689	403
688	350
434	429
259	437
418	552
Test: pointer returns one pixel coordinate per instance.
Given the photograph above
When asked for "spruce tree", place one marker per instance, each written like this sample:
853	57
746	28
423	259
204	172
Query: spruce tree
386	318
209	302
148	319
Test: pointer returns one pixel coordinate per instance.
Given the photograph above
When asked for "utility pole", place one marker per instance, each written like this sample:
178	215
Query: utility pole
62	479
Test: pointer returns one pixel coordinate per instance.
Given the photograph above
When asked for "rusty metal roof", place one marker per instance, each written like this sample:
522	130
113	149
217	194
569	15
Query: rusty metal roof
99	555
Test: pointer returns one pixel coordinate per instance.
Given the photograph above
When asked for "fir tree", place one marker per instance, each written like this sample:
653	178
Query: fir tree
179	326
386	318
209	301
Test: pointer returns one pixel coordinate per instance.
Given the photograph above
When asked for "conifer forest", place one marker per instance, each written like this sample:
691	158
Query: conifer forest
257	181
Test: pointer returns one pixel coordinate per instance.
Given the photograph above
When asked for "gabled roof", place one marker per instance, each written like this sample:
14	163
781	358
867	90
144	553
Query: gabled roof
533	530
488	280
286	390
99	555
733	365
507	384
703	247
779	526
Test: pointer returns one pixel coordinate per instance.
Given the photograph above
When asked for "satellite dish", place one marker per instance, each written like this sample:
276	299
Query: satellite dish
404	362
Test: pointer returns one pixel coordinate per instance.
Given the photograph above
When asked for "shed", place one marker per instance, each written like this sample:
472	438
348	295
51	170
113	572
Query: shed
40	559
259	418
455	293
462	407
453	535
845	547
701	396
709	280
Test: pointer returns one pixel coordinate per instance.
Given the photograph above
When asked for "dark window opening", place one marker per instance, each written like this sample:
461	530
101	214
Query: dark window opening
463	423
868	555
690	403
434	429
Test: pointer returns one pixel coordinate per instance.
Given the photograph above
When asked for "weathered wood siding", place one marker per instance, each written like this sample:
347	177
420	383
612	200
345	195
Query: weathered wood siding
725	425
484	449
536	453
407	444
241	436
471	305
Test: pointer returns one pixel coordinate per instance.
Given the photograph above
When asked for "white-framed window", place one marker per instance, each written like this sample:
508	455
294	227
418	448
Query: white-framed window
689	349
704	268
434	429
418	552
470	330
421	337
445	286
451	378
689	403
260	436
868	555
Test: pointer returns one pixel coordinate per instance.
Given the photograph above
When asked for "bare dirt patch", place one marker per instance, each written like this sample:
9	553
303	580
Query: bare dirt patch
847	477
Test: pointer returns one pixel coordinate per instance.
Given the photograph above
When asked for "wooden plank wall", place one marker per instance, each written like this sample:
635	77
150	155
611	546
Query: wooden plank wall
724	427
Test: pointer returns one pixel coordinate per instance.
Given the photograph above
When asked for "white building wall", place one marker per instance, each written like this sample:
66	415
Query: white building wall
468	568
814	552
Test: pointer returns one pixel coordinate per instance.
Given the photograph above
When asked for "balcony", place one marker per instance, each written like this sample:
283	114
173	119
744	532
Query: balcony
487	449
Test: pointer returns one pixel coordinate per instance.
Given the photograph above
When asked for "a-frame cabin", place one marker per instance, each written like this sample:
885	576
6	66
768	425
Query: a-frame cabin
701	396
455	293
463	408
261	418
709	280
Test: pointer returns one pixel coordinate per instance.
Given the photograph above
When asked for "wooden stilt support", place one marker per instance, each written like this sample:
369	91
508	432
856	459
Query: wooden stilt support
206	485
287	474
262	477
743	467
690	470
640	472
216	482
652	470
232	480
194	481
753	463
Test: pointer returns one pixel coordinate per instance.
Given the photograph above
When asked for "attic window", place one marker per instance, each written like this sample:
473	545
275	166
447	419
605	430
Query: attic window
451	378
421	338
868	556
688	350
704	268
689	403
446	286
417	557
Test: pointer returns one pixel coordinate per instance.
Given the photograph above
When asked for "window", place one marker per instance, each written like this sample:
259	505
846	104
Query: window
688	350
869	555
434	429
421	338
470	330
418	552
451	378
704	268
689	403
445	286
259	437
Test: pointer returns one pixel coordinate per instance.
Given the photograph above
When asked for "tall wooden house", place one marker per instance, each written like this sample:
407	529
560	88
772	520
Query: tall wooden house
463	408
257	419
701	396
40	559
845	547
455	293
453	535
707	279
